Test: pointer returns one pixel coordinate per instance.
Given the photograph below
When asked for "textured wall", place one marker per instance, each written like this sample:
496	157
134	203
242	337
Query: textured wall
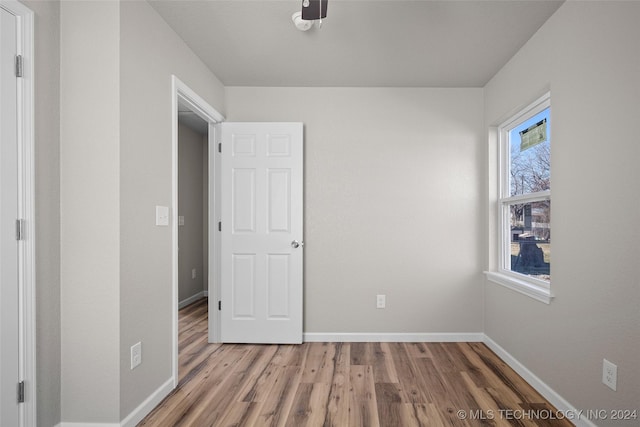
393	181
90	210
151	53
586	54
190	206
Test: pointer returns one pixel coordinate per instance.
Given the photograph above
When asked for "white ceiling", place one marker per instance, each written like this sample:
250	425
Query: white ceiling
368	43
190	119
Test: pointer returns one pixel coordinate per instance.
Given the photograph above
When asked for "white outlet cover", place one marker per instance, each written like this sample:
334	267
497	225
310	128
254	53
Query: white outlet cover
609	374
162	215
181	220
136	354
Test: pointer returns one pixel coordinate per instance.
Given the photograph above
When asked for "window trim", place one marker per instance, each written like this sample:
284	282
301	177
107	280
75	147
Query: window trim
537	289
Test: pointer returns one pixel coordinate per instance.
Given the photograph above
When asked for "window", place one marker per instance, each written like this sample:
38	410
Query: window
524	201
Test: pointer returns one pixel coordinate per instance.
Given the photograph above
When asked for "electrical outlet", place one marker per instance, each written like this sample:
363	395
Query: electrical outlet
162	215
193	273
381	301
609	374
136	355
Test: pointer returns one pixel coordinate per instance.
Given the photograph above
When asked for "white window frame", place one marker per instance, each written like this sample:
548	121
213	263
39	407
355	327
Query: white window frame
527	285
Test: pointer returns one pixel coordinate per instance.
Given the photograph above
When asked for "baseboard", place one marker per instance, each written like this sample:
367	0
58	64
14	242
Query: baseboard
136	415
192	299
392	337
64	424
574	415
147	406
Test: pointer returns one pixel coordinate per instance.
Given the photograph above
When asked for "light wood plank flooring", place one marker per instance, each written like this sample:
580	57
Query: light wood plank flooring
343	384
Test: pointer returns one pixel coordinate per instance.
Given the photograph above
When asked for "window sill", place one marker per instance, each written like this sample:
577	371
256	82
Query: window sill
522	286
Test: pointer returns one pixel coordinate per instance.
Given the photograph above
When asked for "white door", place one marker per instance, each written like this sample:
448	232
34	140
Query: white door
9	297
261	232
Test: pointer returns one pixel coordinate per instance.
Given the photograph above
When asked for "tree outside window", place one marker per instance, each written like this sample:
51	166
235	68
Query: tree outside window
525	200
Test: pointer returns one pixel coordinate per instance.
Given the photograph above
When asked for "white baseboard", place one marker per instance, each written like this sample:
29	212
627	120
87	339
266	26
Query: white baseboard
574	415
147	406
63	424
392	337
136	415
185	302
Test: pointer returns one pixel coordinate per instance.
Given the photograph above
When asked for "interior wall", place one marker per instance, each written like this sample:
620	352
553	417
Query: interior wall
190	206
393	184
90	211
47	187
150	53
586	54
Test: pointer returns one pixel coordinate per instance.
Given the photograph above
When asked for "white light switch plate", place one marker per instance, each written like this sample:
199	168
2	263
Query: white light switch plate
162	215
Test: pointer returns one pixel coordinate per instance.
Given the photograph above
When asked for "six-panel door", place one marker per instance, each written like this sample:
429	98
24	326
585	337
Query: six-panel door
262	214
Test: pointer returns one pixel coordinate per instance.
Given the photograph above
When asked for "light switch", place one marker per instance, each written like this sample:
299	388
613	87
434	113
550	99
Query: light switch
180	220
162	215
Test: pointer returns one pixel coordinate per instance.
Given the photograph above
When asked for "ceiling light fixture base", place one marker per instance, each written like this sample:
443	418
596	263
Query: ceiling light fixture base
301	24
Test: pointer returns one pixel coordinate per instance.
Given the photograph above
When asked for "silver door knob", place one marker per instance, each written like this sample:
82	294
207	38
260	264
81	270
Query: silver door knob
295	244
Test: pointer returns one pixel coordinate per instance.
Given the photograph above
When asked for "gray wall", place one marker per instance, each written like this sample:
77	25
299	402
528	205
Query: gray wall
393	203
47	153
191	206
90	210
150	53
587	54
115	162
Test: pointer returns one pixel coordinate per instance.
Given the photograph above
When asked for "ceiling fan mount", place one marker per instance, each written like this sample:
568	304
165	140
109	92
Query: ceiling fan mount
313	11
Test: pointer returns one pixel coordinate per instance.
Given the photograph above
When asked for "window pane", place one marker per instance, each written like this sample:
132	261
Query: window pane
530	238
530	150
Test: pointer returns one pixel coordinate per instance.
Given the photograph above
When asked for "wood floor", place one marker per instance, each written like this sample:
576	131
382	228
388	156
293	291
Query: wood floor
343	384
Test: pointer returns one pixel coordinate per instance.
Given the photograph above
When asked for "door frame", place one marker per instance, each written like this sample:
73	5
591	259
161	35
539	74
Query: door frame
26	211
182	92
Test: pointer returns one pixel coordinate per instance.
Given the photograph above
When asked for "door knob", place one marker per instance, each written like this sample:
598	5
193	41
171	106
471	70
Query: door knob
295	244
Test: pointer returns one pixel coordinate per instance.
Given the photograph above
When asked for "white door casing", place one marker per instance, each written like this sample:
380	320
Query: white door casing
17	244
183	93
261	232
9	291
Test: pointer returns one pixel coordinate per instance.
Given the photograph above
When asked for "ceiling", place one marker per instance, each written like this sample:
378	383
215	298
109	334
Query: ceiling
191	119
366	43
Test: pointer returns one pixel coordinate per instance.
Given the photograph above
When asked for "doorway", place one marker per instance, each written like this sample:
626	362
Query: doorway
202	115
193	179
263	202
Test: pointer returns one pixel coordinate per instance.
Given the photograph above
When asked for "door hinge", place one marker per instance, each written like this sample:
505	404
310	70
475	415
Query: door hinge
219	305
20	229
18	65
219	147
219	225
21	392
